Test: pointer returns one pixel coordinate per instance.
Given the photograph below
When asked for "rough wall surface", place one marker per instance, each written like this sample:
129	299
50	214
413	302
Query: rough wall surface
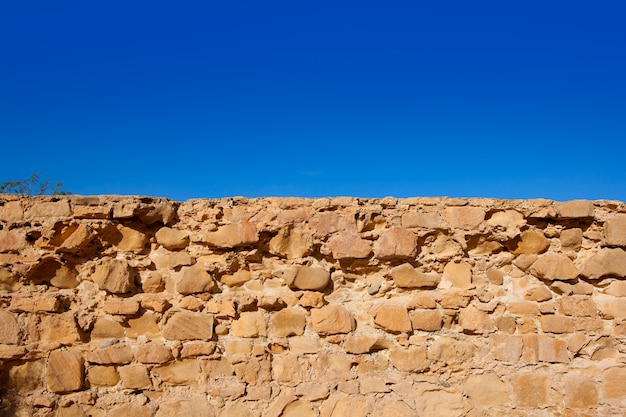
129	306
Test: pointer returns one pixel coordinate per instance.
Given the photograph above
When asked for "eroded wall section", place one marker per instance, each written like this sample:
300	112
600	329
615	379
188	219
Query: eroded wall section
123	306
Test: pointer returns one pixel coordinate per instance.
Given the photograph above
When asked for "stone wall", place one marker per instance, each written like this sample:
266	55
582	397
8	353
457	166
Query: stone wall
129	306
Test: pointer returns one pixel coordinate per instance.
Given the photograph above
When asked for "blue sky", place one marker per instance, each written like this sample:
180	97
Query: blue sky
405	98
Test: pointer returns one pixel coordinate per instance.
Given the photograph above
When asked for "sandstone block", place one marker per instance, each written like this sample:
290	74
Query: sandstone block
458	274
307	278
9	329
102	376
473	320
575	209
396	243
144	325
554	266
450	350
544	348
12	212
12	241
183	372
121	306
506	348
360	344
405	276
580	391
349	246
393	318
197	348
508	219
291	242
349	407
110	355
11	351
8	280
571	238
614	385
186	325
184	408
79	237
486	390
612	308
424	220
326	223
615	230
426	320
153	353
530	389
195	279
240	277
236	410
530	242
49	209
288	322
411	359
332	319
64	371
172	239
134	376
53	271
249	324
299	408
606	262
114	275
92	212
578	307
132	240
107	327
24	377
59	328
465	217
233	235
134	410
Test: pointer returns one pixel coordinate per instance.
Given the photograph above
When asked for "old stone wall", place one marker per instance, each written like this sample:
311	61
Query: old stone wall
129	306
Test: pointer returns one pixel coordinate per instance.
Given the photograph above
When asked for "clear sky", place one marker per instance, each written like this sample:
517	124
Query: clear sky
187	99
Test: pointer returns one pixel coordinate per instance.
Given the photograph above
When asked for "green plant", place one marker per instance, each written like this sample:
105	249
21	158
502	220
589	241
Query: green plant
33	185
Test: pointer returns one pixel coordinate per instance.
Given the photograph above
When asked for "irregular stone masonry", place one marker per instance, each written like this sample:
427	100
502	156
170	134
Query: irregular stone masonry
132	306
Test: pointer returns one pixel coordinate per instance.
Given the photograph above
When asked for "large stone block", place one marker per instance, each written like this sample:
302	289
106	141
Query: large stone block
530	242
187	325
426	320
465	217
405	276
307	278
114	275
393	318
531	389
458	275
575	209
110	355
554	266
614	385
615	230
396	244
411	359
186	407
172	239
292	241
64	371
580	390
195	279
134	376
332	319
486	390
250	324
233	235
183	372
9	329
606	262
288	322
349	246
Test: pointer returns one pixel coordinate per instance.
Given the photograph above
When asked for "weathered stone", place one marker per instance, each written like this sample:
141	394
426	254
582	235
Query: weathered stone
299	408
107	327
49	209
134	376
412	359
79	237
233	235
288	322
531	389
531	241
441	246
615	230
606	262
392	318
554	266
8	280
121	306
349	246
580	391
59	328
450	350
473	320
132	240
236	410
184	408
328	222
405	276
102	376
486	390
307	278
11	351
12	211
114	275
465	217
197	348
424	220
614	385
612	308
332	319
292	241
578	307
9	329
144	325
571	238
164	259
172	239
64	371
110	355
508	219
360	344
240	277
458	274
134	410
53	271
195	279
24	377
506	348
575	209
186	325
544	348
249	324
183	372
396	243
426	320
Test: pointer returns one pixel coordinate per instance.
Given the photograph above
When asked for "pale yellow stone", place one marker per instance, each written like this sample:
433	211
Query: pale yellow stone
332	319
